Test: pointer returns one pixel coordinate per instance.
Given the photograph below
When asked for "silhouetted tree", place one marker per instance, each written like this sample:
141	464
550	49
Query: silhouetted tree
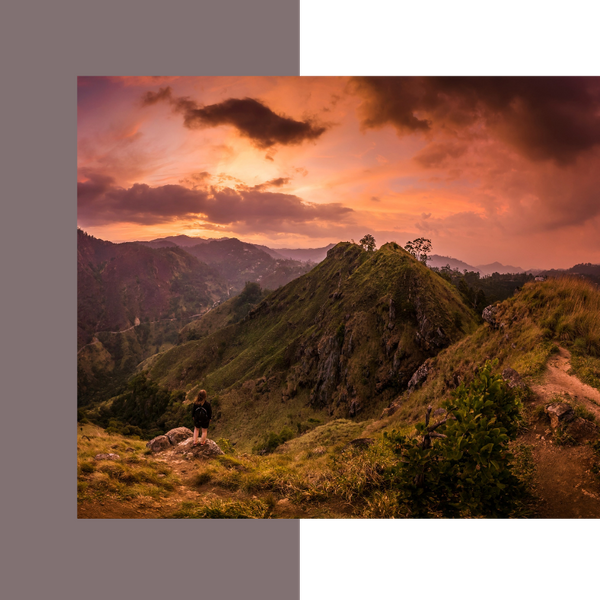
420	249
368	243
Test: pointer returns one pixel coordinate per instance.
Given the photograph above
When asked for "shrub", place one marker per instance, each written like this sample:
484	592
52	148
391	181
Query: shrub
468	471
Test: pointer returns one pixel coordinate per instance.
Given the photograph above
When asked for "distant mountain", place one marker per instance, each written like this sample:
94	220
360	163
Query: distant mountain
120	285
183	241
584	270
441	261
315	255
272	253
497	267
238	262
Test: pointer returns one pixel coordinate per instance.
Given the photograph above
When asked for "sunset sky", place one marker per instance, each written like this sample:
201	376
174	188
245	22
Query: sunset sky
489	169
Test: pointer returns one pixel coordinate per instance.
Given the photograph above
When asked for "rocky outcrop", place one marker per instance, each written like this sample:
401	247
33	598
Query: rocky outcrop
183	443
489	315
208	450
560	413
178	435
159	443
171	438
419	376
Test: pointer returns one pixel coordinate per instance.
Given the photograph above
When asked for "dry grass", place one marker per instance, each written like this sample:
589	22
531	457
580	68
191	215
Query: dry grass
133	475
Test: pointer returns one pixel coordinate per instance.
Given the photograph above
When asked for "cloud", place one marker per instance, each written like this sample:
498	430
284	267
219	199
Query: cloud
542	118
101	202
251	117
438	154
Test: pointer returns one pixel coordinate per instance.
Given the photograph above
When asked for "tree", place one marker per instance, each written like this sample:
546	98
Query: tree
420	249
368	243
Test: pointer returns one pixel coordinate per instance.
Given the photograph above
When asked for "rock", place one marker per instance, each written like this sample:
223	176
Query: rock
489	315
512	378
159	443
319	450
283	501
178	435
559	413
419	376
107	457
209	449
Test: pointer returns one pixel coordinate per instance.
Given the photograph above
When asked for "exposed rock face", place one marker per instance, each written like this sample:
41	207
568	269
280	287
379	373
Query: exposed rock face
489	315
107	457
419	376
159	443
178	435
328	370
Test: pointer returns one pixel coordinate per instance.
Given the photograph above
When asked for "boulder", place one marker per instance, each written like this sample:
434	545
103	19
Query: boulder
159	443
560	413
178	435
209	449
107	457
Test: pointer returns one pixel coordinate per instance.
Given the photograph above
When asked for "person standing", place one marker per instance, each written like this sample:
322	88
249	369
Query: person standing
201	413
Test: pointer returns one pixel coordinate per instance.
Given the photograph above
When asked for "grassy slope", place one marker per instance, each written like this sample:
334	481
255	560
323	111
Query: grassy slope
563	311
344	300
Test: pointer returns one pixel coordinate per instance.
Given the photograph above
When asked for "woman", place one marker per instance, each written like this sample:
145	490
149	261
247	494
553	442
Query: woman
201	413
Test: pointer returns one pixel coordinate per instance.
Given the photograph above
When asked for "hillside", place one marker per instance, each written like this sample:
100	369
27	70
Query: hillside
119	285
238	262
340	341
548	334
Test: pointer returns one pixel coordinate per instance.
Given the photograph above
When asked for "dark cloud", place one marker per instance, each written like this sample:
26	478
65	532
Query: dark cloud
278	182
541	117
250	117
101	202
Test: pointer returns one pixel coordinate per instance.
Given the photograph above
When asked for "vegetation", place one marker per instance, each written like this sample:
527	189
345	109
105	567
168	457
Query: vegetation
133	476
368	243
463	465
479	292
420	249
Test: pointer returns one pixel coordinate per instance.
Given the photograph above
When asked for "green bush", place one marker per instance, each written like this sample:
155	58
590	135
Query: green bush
468	470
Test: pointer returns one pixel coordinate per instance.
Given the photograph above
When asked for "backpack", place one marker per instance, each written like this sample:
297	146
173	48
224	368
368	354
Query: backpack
200	415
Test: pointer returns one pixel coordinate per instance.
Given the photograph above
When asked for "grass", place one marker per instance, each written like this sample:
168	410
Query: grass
133	475
224	509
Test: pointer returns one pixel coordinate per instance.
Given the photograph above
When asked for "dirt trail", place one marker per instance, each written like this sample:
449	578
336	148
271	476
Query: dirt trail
564	480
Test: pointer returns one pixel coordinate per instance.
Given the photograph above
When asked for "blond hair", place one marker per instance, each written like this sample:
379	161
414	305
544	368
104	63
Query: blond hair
201	396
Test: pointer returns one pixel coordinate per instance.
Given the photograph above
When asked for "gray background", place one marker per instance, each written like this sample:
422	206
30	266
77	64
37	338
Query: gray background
45	45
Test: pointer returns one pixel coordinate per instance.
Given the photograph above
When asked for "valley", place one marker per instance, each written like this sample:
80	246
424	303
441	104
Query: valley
312	383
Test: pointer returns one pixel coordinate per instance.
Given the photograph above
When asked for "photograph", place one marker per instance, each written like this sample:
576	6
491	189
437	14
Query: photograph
309	297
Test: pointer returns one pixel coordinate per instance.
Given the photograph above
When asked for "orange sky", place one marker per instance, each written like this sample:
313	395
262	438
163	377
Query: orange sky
489	169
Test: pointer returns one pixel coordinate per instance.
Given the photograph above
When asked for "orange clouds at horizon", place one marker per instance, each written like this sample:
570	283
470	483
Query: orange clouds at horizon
490	169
